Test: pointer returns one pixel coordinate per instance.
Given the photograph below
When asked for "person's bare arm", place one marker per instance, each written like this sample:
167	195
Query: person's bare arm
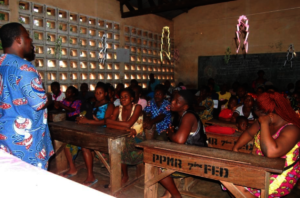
148	123
246	136
274	148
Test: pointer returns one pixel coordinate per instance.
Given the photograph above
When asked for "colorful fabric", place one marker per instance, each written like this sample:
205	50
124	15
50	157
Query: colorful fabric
155	111
74	104
24	129
225	96
100	111
130	154
60	97
73	150
280	185
207	113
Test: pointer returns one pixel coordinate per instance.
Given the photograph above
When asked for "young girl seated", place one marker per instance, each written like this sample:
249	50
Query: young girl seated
226	114
189	131
276	134
70	104
128	116
244	110
242	123
102	109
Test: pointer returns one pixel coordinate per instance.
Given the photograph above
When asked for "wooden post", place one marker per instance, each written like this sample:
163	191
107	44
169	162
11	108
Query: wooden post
150	173
114	149
265	192
140	169
61	162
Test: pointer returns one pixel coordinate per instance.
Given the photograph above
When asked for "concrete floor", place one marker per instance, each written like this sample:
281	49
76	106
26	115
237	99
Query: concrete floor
204	187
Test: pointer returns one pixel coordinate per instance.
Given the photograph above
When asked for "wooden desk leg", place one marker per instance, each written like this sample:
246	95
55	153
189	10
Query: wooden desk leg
61	162
265	192
150	173
114	149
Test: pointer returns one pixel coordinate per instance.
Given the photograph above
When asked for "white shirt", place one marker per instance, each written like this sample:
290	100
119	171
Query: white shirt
239	110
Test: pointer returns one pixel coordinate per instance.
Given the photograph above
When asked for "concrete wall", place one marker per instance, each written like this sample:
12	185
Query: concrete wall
209	30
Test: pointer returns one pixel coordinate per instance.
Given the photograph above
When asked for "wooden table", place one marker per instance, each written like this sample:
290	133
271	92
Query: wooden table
229	167
97	138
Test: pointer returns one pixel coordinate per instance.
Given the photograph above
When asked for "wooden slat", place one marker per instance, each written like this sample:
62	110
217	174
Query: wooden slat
97	131
221	123
233	189
103	160
267	164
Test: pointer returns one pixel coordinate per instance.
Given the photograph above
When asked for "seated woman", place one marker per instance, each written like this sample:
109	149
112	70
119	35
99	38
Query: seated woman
189	131
244	110
128	116
102	109
158	114
276	135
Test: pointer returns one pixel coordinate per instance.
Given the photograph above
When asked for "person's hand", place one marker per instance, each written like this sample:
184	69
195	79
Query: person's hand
132	132
265	119
147	125
81	120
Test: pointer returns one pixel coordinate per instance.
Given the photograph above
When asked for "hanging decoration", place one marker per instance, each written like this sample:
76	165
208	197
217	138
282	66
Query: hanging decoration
290	55
168	52
58	50
242	27
227	55
176	56
103	50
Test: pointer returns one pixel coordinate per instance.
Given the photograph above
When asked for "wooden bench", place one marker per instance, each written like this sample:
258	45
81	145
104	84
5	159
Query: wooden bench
93	137
230	168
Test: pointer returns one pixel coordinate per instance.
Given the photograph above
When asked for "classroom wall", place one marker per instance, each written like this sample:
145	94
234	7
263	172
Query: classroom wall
209	30
104	9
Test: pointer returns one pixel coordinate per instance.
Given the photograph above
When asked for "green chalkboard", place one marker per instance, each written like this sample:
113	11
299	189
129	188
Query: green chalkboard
243	68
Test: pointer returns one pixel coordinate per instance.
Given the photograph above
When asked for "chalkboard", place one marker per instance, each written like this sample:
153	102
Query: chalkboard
243	68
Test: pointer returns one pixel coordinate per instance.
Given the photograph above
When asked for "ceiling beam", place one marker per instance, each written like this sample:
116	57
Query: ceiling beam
174	5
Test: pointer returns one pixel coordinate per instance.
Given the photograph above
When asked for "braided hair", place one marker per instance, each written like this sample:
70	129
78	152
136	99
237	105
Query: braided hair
270	102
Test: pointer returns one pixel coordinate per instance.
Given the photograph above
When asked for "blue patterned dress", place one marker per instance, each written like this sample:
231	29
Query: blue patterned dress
23	124
155	111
